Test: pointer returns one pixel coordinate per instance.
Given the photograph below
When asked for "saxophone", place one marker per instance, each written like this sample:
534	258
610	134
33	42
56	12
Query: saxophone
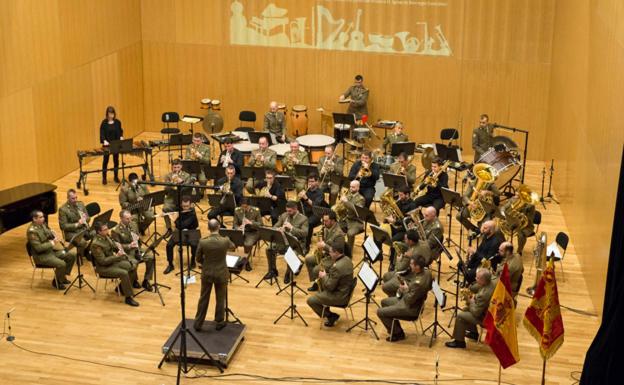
485	175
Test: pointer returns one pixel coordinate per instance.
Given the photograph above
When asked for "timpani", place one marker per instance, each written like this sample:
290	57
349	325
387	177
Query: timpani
315	145
280	149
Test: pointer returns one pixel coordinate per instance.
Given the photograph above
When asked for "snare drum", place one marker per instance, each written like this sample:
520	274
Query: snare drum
361	133
246	147
280	149
342	132
505	164
299	117
315	145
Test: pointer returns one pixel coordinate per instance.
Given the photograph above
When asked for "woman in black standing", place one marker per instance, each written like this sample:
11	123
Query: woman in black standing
110	129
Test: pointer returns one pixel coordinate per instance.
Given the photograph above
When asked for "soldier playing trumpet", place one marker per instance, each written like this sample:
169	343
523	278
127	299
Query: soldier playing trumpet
262	157
199	151
176	176
404	167
291	158
397	135
330	164
320	256
367	172
350	223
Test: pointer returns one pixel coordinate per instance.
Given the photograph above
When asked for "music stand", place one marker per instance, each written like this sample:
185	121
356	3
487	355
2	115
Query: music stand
294	266
255	173
366	216
192	119
213	172
394	181
254	137
339	180
450	153
403	147
370	279
271	236
180	140
188	237
343	119
319	211
265	204
238	238
102	218
233	263
122	147
295	245
193	167
440	298
80	277
305	170
371	253
286	181
152	247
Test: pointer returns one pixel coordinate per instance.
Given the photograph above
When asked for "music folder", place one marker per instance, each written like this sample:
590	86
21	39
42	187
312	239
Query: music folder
368	277
394	181
236	236
371	248
293	262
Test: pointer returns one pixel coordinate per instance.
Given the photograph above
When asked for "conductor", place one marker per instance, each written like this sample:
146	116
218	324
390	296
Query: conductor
211	253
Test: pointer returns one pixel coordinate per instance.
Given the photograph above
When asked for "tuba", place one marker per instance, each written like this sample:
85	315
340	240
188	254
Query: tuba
339	208
485	175
389	206
514	219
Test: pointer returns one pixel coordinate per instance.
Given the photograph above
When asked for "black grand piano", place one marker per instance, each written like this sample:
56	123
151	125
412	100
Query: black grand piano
17	202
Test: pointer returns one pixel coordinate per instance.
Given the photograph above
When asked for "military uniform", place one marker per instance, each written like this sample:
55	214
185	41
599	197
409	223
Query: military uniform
299	231
270	157
410	303
434	230
289	167
329	237
275	123
109	265
359	100
482	140
211	253
473	314
251	231
170	201
390	281
337	169
351	224
203	158
392	138
43	253
69	215
122	234
129	195
464	214
409	172
367	185
335	286
516	269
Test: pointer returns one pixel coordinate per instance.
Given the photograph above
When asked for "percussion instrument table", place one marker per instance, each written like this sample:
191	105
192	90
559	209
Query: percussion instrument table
139	149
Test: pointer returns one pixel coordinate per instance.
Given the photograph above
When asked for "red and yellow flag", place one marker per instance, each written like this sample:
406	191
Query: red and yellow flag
500	322
543	317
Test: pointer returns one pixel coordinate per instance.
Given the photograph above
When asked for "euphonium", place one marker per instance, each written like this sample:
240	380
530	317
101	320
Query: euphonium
389	206
524	196
485	175
258	160
339	208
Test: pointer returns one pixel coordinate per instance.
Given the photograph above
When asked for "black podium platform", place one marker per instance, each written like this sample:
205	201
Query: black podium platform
220	344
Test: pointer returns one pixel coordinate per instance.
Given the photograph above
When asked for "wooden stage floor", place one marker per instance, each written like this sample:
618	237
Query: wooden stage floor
76	338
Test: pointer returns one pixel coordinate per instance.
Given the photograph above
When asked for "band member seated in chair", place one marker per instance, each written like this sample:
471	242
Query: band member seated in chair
474	312
491	239
262	157
309	198
434	181
186	220
349	222
489	194
200	152
410	298
514	264
320	256
293	222
130	194
211	253
367	172
176	176
405	205
291	158
334	284
434	231
404	167
73	219
231	156
397	135
415	247
230	186
248	219
271	188
112	262
330	164
127	235
275	122
47	250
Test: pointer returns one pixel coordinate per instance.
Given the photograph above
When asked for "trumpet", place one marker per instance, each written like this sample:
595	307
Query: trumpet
176	178
226	159
364	172
195	154
291	160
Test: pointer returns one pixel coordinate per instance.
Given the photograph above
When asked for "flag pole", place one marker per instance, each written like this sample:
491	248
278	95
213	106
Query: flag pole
544	372
499	373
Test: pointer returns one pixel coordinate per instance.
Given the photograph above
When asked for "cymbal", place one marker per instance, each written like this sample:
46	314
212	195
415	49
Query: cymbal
353	143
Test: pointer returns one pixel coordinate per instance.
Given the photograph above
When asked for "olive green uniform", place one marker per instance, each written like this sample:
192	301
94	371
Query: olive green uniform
359	100
299	231
110	265
122	234
434	230
482	140
390	281
211	254
270	157
43	254
409	304
392	138
516	269
336	169
410	172
170	201
473	314
330	236
203	158
69	215
130	195
251	231
289	167
351	224
275	123
335	286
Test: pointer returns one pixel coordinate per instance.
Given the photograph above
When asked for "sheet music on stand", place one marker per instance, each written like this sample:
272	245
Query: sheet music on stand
368	277
294	263
438	293
371	248
232	260
553	250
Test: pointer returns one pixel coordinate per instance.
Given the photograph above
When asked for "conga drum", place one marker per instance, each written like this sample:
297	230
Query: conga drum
246	147
315	145
216	104
205	104
299	118
280	149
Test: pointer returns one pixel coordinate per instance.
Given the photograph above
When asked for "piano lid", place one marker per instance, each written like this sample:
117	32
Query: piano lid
24	192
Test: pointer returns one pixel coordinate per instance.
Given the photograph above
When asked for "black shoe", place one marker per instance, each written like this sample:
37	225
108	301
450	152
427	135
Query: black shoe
146	285
472	335
248	266
287	278
60	286
65	281
220	325
314	287
391	267
396	337
456	344
331	319
136	285
130	301
169	269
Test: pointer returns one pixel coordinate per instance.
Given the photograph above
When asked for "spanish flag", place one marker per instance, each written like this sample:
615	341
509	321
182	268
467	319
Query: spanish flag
543	317
500	322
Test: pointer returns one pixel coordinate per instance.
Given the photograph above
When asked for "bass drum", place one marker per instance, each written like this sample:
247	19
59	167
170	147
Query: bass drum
505	163
299	121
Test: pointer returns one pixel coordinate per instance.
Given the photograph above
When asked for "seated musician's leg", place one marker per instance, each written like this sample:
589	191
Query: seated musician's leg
386	313
169	248
60	267
150	264
368	193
